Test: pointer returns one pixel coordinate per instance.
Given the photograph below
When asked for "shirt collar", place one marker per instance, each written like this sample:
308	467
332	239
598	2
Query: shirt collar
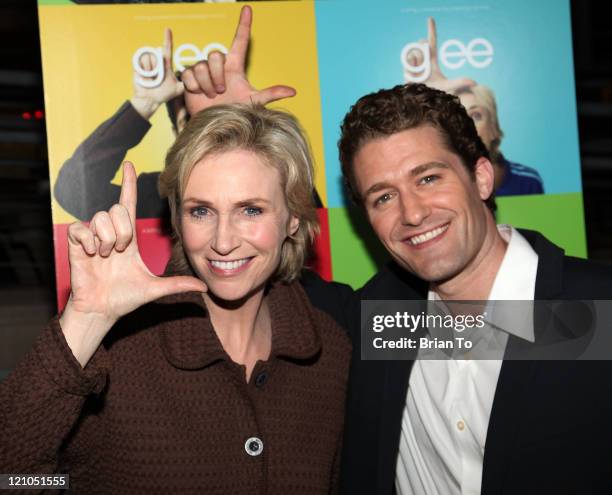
189	341
515	281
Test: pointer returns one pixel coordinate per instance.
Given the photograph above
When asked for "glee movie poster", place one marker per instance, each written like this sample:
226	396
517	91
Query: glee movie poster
510	63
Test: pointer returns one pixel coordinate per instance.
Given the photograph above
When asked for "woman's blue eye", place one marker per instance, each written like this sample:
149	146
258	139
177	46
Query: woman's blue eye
199	211
253	211
476	116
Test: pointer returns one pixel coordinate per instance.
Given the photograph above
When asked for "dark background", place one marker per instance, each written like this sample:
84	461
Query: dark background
27	297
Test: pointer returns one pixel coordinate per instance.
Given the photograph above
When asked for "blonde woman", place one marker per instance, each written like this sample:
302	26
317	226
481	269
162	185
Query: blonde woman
221	378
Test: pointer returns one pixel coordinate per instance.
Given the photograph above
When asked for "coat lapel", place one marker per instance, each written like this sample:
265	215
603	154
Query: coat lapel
395	389
394	382
516	376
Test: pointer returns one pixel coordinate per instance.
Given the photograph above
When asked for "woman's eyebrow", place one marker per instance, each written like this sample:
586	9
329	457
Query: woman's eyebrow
199	201
253	200
205	202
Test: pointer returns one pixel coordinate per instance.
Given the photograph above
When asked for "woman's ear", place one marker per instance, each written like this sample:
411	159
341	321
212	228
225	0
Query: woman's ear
294	225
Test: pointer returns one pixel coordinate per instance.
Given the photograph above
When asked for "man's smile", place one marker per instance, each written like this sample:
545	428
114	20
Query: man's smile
419	239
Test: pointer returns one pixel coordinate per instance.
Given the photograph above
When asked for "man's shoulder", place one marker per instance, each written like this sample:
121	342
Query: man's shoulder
586	279
394	282
567	277
334	298
342	302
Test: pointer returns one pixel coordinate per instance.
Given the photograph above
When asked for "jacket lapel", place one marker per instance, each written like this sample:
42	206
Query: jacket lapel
394	382
516	376
395	389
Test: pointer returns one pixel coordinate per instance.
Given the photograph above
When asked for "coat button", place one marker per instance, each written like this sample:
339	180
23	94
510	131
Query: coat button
261	379
253	446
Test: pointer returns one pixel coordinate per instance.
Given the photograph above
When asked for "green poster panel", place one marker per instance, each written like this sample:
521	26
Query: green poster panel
560	217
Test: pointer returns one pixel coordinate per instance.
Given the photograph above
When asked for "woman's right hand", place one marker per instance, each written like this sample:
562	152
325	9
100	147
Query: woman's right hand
107	275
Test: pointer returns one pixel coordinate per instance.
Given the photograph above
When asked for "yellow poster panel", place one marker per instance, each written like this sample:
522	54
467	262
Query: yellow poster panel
88	74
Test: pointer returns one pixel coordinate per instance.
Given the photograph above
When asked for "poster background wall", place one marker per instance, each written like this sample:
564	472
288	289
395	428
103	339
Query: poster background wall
332	52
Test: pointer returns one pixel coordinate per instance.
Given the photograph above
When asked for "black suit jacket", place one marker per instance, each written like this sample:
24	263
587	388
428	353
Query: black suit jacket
550	429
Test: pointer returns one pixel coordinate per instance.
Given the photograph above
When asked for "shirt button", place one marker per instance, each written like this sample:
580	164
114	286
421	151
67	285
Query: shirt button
261	379
253	446
460	425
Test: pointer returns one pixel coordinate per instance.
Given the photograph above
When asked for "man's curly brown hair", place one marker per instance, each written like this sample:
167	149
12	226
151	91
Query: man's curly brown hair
404	107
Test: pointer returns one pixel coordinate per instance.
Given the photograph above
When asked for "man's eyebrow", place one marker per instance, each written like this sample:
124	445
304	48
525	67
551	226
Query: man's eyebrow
427	166
379	186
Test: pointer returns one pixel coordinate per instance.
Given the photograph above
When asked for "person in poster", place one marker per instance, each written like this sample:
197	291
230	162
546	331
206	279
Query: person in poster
84	183
511	178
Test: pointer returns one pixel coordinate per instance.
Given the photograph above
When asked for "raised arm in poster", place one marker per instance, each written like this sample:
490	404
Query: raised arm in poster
422	65
84	184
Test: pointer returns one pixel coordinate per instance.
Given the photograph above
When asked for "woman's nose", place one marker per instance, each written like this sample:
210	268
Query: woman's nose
225	238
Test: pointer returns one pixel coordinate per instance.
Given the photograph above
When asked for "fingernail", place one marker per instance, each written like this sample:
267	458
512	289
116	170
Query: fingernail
220	88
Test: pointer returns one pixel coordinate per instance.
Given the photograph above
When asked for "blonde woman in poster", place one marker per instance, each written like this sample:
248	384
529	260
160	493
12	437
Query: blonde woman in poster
511	178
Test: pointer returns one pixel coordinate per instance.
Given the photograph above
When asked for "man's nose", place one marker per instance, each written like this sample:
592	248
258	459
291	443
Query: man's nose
414	209
226	237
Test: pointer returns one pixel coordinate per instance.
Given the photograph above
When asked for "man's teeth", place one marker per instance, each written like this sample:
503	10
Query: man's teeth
419	239
229	265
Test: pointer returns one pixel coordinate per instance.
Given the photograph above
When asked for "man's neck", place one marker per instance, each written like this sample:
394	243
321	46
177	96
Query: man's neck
475	281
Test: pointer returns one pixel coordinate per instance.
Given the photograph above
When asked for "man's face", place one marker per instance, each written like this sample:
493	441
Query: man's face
423	204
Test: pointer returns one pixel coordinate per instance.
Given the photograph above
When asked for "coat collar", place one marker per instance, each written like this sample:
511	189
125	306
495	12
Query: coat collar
189	341
549	279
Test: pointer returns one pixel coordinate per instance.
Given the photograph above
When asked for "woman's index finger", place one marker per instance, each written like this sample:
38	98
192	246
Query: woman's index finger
128	195
240	44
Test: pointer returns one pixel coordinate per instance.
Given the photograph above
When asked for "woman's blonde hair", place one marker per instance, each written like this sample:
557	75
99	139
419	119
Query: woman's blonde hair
486	98
274	136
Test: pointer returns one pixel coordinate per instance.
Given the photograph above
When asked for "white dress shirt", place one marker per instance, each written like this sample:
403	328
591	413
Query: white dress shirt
448	404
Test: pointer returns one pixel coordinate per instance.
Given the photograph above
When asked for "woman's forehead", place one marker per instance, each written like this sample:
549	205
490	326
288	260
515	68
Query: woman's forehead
238	172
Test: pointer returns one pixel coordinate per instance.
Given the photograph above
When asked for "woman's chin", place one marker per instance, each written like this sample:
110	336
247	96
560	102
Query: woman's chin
231	296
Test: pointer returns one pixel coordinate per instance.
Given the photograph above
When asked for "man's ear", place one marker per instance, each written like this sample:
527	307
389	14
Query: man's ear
294	225
485	177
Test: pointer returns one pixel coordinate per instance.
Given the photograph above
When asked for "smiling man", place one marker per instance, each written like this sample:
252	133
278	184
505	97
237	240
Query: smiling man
412	158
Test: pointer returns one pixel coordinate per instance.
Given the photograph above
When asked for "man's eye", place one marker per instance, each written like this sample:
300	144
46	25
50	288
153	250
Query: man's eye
253	211
199	212
476	116
429	179
381	200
